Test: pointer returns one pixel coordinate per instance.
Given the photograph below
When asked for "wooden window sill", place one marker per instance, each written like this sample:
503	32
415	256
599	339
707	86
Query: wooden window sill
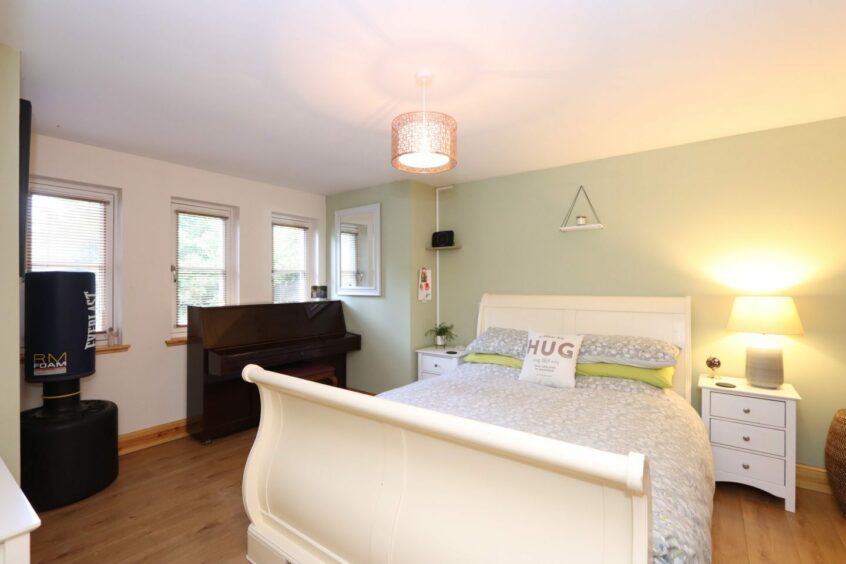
103	349
106	349
177	341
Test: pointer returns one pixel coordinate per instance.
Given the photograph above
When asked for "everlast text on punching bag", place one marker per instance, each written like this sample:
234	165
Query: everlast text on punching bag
68	446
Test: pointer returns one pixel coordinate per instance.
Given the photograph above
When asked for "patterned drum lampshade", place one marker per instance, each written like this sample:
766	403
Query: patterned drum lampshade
423	142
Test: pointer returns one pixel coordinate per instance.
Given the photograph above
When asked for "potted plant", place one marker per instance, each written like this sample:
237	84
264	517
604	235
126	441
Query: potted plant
443	334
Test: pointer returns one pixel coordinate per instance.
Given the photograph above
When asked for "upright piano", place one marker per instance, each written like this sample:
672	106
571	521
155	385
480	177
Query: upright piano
307	339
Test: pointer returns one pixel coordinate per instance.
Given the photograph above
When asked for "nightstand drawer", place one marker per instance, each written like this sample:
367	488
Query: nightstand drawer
759	439
754	466
437	365
749	409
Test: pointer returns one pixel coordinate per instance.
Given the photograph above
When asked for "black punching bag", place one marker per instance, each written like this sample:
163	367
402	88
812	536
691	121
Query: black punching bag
59	325
68	446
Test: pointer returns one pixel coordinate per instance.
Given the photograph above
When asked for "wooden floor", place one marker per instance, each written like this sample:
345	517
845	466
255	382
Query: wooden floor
752	526
181	502
177	502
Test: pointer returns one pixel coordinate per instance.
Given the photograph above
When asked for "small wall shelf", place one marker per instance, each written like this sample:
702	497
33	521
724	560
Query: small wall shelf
582	227
452	248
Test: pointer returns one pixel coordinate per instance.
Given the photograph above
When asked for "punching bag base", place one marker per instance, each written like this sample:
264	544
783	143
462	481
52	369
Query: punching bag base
68	455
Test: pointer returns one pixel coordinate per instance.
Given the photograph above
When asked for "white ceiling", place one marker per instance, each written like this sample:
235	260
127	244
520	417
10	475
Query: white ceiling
301	93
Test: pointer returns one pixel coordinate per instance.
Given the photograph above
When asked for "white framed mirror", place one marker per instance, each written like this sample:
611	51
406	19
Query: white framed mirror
357	251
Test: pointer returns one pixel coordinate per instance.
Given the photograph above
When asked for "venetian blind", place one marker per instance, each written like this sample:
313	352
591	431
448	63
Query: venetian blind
349	258
290	263
69	234
200	262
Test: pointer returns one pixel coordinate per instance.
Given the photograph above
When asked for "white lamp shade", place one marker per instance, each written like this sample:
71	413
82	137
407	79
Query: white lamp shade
423	142
770	315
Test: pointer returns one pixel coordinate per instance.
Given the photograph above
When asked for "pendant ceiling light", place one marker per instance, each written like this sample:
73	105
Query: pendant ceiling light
423	142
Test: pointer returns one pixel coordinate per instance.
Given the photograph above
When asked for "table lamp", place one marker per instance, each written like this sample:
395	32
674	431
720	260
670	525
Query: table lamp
765	315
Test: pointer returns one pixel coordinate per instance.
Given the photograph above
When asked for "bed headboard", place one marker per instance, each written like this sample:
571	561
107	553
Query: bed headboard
667	319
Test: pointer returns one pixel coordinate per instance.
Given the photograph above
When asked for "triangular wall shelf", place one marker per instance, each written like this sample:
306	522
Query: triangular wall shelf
597	224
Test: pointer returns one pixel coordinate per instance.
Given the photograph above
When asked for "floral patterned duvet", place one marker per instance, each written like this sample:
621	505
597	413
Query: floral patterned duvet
605	413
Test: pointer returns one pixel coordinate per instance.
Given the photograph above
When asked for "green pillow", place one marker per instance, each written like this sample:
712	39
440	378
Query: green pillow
501	359
658	377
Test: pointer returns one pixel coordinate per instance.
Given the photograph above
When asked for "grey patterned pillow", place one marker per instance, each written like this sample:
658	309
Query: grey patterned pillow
642	352
498	340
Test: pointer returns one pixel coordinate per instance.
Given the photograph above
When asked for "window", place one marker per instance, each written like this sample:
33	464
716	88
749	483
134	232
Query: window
71	227
350	272
203	273
293	249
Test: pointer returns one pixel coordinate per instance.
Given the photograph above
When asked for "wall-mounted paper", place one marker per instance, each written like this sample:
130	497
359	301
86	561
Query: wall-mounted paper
424	285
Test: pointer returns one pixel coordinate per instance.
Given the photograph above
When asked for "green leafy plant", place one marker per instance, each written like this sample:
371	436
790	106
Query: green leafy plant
444	331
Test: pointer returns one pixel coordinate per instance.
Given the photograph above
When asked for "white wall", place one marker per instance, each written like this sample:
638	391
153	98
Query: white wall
10	72
148	381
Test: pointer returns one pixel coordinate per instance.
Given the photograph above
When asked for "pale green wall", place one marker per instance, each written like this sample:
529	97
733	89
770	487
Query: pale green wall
690	220
422	224
392	324
9	279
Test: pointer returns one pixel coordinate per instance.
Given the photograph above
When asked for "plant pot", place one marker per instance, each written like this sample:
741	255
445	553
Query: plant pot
440	341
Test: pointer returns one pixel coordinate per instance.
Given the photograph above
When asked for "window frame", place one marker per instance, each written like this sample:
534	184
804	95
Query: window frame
346	229
373	246
310	225
112	198
230	215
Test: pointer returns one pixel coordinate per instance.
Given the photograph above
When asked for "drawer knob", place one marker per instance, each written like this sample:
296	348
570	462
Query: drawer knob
436	365
745	466
746	410
746	438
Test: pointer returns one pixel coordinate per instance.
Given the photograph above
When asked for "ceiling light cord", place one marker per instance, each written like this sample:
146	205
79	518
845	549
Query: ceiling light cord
425	115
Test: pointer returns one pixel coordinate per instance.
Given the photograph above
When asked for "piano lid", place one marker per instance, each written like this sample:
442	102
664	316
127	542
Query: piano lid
255	324
230	361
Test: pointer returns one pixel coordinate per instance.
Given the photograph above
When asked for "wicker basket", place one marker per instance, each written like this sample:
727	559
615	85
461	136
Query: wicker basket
835	457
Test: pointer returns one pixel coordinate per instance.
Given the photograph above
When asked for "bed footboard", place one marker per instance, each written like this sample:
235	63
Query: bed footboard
337	476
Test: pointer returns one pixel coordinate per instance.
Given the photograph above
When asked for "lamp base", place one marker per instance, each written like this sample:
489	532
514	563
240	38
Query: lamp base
764	367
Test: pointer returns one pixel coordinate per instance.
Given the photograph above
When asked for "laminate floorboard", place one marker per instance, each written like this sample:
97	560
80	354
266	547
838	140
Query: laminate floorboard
751	526
177	502
181	502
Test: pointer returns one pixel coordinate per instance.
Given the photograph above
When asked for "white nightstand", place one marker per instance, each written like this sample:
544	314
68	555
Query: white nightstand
17	520
434	361
753	435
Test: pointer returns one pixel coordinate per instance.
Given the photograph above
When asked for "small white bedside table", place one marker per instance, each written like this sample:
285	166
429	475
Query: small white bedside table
753	435
434	361
17	520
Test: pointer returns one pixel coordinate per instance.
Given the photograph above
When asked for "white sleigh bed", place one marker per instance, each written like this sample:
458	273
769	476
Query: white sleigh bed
337	476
